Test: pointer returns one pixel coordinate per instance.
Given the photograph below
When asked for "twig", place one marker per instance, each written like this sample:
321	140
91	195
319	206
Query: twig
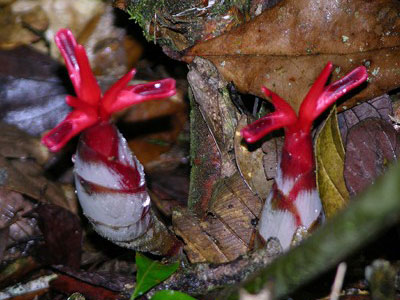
338	283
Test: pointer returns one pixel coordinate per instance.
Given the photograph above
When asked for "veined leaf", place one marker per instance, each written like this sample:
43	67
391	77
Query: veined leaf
150	273
329	153
171	295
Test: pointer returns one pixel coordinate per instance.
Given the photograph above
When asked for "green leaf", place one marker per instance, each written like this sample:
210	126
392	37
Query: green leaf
329	152
171	295
150	273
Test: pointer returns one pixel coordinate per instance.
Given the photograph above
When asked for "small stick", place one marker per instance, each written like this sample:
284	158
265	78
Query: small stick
338	283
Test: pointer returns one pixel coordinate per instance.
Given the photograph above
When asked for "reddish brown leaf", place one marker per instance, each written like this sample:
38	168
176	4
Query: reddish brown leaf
380	107
287	46
69	285
110	280
371	145
62	234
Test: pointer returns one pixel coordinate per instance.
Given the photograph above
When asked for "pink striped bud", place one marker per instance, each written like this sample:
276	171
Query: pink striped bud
109	180
294	203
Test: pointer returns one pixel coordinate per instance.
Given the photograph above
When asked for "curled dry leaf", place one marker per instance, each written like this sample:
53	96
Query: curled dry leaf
219	224
205	161
32	93
371	145
15	225
21	26
24	22
251	163
211	93
21	172
286	46
110	50
272	149
380	107
15	143
227	230
329	153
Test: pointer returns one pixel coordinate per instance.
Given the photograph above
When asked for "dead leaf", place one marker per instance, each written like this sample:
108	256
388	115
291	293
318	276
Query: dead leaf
211	93
380	107
169	190
273	151
154	129
205	161
17	270
21	172
110	50
227	230
69	285
32	95
62	234
21	27
15	226
251	163
15	143
372	145
67	14
287	46
115	278
329	154
177	25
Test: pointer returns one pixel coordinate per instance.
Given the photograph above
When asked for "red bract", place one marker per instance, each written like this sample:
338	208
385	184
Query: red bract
109	180
294	200
89	105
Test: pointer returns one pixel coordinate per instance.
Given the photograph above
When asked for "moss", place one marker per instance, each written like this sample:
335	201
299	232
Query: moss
223	6
142	12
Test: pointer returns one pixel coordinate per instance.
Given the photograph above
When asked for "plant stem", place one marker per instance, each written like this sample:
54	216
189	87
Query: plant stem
369	214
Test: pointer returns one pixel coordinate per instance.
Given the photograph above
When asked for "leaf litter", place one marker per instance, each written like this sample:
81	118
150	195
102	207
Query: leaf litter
209	220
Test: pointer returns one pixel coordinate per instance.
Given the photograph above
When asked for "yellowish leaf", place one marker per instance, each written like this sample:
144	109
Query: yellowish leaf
329	153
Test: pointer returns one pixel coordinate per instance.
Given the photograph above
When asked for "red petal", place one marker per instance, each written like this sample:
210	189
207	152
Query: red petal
283	116
309	104
78	67
89	91
111	96
143	92
73	124
337	89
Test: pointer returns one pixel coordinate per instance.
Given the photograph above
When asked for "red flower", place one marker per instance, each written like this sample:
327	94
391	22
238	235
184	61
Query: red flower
294	200
90	107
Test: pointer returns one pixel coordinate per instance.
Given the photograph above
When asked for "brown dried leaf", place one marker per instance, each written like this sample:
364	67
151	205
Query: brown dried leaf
20	27
15	143
178	25
251	163
371	146
20	171
62	234
155	127
211	93
32	95
26	177
110	51
272	149
69	285
228	229
14	224
380	107
287	46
